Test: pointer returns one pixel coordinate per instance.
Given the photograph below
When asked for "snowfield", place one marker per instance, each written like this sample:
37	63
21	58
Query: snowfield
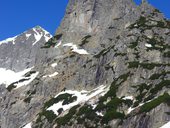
8	77
167	125
27	125
82	97
75	49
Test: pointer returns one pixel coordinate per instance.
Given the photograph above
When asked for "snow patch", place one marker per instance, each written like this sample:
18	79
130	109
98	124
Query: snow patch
8	77
47	35
28	35
52	75
127	25
39	35
167	125
99	114
148	45
12	39
128	98
58	44
94	106
75	49
82	97
131	109
54	65
20	84
27	125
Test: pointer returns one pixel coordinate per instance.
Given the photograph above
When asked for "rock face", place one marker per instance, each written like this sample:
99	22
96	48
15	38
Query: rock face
107	66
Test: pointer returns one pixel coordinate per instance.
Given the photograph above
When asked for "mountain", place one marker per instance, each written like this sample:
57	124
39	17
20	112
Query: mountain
107	66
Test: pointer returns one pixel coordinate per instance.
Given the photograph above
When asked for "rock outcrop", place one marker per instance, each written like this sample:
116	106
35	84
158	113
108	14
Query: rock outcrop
107	67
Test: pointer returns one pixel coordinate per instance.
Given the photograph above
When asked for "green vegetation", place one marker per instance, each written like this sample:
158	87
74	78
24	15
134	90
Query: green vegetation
66	118
112	114
11	87
115	102
49	115
28	74
158	75
149	66
60	111
141	88
52	42
66	98
154	103
133	64
120	54
31	92
141	22
58	37
28	99
168	113
137	55
69	100
135	43
144	23
103	52
164	83
85	40
84	110
167	54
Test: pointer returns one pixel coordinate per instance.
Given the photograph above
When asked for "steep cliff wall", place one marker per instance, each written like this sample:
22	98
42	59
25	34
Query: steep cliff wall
107	66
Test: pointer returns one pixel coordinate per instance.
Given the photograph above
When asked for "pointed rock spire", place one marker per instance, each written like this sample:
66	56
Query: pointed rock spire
144	1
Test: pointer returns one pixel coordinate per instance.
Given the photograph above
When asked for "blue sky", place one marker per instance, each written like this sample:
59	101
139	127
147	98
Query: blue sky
16	16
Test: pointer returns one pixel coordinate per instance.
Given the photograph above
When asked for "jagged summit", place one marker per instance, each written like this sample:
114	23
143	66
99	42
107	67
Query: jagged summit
90	16
37	31
106	67
23	49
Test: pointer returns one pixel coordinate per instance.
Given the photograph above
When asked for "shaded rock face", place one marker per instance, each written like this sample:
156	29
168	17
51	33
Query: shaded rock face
113	43
22	51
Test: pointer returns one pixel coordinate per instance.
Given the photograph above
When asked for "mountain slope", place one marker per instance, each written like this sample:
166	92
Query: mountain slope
107	66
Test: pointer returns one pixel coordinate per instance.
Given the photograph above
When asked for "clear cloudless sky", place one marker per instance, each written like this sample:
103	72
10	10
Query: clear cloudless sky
17	16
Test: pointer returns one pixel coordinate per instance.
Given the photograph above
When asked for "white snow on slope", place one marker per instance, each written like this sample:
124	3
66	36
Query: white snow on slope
54	65
58	44
20	84
12	39
128	98
99	114
141	104
28	35
167	125
39	35
148	45
75	48
52	75
47	35
82	97
27	125
8	77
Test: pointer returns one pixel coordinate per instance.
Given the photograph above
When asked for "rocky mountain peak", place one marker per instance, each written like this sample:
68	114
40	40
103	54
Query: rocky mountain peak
91	16
23	49
106	67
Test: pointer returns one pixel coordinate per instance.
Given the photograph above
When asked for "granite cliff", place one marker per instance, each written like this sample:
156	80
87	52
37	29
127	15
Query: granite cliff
107	66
